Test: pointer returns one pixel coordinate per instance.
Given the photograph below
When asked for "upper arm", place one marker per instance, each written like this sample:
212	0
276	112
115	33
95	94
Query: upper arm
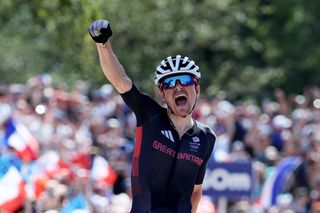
112	68
124	85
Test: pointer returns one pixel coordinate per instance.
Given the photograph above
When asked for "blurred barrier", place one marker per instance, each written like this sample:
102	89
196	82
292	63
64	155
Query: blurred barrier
230	180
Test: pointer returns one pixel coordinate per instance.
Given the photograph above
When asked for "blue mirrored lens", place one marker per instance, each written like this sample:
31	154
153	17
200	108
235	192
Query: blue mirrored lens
170	82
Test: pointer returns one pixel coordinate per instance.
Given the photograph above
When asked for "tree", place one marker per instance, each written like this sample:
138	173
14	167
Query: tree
242	47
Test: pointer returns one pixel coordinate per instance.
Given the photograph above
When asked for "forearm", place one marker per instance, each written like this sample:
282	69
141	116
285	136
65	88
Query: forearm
196	196
112	68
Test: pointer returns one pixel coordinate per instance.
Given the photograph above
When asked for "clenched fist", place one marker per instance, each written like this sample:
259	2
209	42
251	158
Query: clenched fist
100	31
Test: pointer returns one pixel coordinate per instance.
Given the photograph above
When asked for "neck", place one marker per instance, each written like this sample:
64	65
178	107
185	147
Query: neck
181	124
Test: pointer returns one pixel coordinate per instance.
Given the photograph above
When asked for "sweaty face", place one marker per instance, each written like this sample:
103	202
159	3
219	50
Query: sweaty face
180	94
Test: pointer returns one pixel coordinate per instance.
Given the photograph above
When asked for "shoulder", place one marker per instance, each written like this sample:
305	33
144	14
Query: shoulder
207	137
143	106
207	131
136	96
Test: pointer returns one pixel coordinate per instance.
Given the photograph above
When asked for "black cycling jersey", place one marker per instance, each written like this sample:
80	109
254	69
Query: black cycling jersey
165	168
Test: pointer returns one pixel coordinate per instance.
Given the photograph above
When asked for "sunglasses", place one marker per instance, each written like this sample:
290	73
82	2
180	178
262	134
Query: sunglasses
171	82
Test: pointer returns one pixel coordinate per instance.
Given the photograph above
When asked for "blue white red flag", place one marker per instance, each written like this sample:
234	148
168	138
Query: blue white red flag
18	137
46	167
12	187
102	172
276	182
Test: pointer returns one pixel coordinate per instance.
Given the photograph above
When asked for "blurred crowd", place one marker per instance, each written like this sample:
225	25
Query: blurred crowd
286	127
96	122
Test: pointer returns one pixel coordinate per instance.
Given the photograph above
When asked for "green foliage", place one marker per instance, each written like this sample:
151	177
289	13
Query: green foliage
242	47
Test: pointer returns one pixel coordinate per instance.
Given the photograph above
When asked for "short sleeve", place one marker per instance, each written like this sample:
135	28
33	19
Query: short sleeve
141	104
211	141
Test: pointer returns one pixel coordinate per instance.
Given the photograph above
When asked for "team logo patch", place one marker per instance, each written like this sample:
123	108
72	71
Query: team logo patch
196	139
194	144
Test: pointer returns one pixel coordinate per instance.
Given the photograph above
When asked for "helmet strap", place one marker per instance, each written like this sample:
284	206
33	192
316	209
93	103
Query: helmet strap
194	105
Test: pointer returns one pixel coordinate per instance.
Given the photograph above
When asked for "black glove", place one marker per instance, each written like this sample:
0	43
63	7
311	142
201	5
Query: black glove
100	31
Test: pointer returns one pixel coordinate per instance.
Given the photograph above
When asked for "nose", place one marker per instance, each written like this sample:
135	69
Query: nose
178	85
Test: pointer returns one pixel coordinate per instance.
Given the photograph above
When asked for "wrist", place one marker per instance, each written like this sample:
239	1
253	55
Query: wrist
102	45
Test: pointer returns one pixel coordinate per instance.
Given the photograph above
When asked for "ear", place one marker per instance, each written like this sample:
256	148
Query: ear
161	93
197	87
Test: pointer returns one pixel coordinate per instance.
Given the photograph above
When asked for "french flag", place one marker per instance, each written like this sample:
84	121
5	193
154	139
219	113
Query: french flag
47	166
51	164
102	172
275	183
12	187
21	140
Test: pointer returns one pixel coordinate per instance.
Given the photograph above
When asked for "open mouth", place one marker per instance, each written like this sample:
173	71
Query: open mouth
181	100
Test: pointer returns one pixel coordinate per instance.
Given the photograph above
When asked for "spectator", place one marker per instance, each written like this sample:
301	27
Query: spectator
92	122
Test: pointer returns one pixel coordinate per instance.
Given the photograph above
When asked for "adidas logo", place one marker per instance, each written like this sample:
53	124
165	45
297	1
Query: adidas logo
168	134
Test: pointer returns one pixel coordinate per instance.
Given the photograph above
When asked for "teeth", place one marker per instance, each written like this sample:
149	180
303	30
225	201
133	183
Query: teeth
181	95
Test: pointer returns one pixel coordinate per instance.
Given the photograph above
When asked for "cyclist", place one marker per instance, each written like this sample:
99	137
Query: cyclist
172	149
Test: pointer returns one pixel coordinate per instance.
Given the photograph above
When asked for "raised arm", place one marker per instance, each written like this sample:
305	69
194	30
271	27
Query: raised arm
100	32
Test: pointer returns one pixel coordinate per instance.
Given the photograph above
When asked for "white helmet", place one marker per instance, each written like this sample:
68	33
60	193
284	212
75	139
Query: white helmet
176	65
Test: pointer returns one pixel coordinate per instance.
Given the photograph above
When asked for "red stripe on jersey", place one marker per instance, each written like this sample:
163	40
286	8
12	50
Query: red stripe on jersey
136	189
136	153
135	182
135	167
137	147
